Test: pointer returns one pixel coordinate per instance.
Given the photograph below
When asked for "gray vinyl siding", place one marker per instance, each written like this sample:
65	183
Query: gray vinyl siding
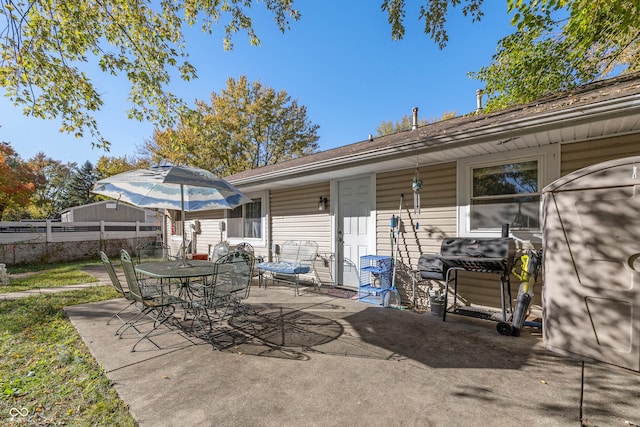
294	215
582	154
483	289
436	220
210	230
99	212
209	226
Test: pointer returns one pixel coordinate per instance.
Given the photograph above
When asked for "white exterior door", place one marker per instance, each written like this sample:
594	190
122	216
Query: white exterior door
354	229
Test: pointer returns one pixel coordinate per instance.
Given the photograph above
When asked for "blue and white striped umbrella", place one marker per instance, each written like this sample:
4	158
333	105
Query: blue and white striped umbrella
183	188
172	187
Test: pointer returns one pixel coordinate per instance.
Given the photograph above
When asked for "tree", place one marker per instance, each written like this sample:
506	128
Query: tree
406	123
558	44
77	192
46	44
244	127
434	14
17	180
109	166
53	176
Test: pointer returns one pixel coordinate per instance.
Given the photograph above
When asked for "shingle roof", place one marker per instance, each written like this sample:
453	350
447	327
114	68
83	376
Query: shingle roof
431	134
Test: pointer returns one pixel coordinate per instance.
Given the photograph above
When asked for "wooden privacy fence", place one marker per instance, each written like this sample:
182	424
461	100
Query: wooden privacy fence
51	241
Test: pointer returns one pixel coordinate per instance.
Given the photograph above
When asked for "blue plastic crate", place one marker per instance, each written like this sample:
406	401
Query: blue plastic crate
375	278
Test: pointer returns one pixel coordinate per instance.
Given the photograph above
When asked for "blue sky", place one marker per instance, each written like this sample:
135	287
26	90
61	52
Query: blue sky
339	61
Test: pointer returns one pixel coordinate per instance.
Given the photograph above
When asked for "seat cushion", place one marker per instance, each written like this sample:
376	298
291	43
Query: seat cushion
284	267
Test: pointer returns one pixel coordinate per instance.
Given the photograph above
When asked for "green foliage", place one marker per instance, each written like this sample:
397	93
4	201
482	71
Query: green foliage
46	44
396	12
109	166
53	176
245	127
434	14
561	44
77	191
557	44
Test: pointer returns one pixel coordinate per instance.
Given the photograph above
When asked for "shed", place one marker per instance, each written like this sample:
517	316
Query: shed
591	239
106	210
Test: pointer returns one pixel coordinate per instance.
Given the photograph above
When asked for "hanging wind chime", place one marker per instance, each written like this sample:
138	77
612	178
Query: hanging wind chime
417	186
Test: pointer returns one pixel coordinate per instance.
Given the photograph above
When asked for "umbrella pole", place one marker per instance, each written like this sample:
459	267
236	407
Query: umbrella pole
184	238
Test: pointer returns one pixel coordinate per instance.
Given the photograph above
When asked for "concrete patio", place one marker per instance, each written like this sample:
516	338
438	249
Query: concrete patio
320	360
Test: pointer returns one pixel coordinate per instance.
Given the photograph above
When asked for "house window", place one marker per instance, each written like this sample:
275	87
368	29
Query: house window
245	222
507	193
505	188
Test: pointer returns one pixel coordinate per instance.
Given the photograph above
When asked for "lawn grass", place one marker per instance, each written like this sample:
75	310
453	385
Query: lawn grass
46	372
47	276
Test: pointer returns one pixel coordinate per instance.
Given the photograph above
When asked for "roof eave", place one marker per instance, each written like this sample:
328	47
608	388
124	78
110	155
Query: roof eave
500	131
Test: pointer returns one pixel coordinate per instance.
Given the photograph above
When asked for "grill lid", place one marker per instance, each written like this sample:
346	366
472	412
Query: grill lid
486	247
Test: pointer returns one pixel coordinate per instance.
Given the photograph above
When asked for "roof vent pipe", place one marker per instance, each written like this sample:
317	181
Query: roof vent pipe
414	110
479	93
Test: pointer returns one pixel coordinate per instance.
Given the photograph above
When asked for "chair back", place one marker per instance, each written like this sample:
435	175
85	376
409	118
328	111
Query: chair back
244	246
185	249
115	280
130	275
152	251
299	252
232	274
218	250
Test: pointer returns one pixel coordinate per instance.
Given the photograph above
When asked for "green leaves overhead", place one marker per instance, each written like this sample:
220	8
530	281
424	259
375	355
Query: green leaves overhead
434	15
557	44
45	44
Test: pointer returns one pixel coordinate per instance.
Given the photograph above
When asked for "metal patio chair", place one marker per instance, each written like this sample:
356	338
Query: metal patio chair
157	306
221	298
244	246
115	281
218	250
152	251
296	257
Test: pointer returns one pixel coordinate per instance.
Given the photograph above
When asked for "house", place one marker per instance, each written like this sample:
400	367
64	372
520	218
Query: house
344	198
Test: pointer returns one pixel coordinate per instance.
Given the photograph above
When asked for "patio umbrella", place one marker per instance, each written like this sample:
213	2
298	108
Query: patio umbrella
183	188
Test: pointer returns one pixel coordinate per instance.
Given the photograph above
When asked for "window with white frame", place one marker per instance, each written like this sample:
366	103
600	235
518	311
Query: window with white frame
506	193
496	190
245	222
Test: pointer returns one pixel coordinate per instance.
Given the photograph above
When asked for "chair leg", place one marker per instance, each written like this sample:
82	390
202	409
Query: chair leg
120	312
132	322
159	319
207	330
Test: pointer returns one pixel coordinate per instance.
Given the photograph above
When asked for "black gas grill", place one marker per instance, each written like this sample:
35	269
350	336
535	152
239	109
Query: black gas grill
481	255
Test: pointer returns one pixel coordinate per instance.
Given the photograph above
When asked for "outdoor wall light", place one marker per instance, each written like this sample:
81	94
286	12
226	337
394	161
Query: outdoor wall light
322	204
